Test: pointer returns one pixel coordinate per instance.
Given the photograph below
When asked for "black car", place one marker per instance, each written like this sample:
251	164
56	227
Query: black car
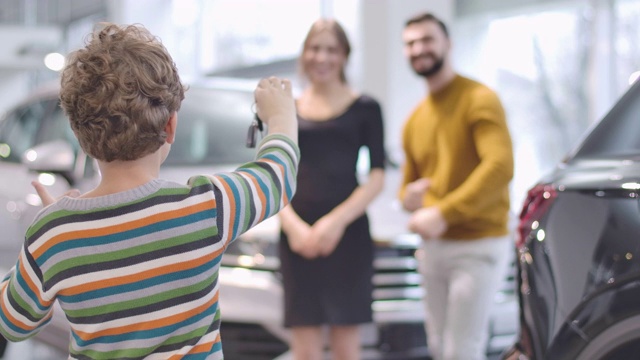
578	252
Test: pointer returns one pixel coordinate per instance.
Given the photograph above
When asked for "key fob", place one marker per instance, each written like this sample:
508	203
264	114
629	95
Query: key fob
252	134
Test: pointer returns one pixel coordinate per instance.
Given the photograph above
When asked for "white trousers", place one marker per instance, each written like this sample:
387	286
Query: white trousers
461	278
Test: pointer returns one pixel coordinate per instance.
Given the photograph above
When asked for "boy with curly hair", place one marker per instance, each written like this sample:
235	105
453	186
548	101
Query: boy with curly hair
134	262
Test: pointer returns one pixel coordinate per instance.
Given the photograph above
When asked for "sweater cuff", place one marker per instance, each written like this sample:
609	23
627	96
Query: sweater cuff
278	138
450	214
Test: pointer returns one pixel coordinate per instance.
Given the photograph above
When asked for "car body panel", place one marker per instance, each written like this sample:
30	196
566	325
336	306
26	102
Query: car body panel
579	252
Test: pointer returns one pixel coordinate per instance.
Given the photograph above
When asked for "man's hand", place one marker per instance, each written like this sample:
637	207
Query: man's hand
428	223
414	193
46	198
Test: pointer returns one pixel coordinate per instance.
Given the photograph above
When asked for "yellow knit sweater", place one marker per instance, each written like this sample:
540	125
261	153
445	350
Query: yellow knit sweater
459	139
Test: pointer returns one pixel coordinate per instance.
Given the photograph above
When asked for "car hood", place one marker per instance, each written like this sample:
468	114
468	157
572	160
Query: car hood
597	174
181	174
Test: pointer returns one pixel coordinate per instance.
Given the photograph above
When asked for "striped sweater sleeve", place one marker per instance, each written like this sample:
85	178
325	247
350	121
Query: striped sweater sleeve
256	190
24	309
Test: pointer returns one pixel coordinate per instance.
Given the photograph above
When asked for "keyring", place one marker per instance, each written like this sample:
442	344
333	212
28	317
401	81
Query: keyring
255	128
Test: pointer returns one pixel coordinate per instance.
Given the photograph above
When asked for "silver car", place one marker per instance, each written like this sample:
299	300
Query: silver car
37	143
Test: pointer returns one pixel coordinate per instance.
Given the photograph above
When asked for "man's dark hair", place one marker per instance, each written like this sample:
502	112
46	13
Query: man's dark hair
422	17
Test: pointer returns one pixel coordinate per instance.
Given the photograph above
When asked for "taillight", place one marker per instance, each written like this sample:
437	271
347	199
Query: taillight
538	200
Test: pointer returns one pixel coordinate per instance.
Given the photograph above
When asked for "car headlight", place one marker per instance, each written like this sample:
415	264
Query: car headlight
256	248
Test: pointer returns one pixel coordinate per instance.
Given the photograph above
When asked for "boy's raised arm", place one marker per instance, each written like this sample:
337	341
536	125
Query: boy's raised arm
259	189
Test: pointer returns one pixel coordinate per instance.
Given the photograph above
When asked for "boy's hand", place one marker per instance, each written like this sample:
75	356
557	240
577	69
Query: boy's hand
46	198
275	106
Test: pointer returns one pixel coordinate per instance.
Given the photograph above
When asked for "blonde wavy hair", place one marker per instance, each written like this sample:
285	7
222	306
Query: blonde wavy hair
334	27
119	92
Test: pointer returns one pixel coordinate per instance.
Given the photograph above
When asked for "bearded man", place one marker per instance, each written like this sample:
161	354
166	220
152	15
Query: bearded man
456	176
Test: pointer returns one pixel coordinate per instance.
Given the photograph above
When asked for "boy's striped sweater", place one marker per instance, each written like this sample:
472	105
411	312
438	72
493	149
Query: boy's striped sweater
136	272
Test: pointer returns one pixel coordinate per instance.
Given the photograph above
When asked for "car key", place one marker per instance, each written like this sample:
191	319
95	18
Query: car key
252	134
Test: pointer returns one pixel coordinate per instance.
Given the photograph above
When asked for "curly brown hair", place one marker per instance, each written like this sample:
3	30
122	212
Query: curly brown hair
119	91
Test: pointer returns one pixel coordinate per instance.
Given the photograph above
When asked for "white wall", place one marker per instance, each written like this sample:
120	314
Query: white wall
24	47
23	51
386	73
13	86
158	17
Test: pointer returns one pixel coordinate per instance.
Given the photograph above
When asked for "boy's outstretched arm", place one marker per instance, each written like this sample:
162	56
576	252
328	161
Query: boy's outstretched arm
46	198
259	189
24	310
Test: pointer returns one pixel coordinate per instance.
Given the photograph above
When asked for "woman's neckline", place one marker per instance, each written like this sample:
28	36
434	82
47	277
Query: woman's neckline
337	115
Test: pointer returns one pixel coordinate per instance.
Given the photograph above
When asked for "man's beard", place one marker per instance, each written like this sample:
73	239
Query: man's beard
434	69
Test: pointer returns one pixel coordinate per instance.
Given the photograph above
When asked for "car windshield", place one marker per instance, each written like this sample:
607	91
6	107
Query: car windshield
616	135
19	130
212	128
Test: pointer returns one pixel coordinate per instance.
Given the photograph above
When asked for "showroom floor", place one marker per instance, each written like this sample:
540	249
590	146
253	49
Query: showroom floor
31	350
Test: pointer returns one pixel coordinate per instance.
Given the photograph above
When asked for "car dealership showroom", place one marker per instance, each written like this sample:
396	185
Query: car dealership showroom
564	72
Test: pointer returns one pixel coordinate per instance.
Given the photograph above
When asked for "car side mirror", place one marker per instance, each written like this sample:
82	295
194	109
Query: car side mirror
54	156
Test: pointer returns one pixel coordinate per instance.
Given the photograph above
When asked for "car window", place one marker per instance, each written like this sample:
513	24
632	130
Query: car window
212	128
57	128
20	128
616	135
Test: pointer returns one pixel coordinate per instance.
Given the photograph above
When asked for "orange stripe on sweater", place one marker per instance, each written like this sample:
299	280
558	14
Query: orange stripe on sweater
200	348
89	233
133	278
11	318
32	285
149	325
232	208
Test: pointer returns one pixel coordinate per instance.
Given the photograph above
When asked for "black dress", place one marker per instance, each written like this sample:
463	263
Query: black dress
337	289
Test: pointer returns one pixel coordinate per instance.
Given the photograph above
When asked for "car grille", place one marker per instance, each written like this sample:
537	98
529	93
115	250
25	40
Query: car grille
250	342
397	302
398	294
397	284
397	281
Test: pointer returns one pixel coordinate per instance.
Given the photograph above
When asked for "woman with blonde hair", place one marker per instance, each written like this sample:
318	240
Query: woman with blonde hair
326	248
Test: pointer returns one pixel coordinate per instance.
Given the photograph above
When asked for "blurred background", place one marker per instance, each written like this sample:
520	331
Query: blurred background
558	65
